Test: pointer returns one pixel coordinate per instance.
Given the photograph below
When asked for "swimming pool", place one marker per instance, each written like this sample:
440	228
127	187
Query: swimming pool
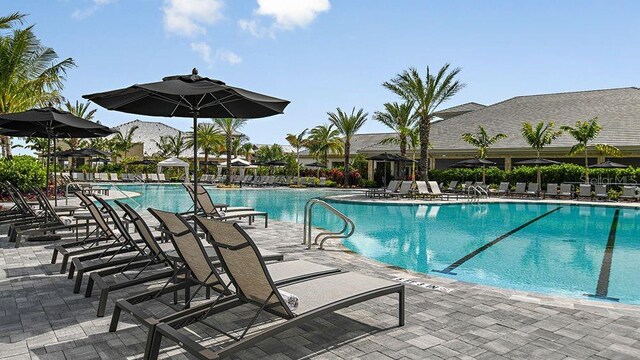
550	248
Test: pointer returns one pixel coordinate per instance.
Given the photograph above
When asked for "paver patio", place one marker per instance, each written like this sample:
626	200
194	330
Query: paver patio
40	317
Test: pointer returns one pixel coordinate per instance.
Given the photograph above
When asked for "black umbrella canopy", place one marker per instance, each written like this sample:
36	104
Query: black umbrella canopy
100	160
315	165
190	96
608	165
182	95
50	122
276	163
142	162
86	152
473	163
537	162
208	162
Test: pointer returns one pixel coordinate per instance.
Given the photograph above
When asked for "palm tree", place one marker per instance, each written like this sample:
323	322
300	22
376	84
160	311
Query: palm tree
229	126
247	150
539	137
482	141
324	139
398	117
298	142
269	153
210	138
30	73
80	110
122	143
348	125
173	145
584	132
427	94
164	147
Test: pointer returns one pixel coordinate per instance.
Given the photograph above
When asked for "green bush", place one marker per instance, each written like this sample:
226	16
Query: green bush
330	183
368	183
23	171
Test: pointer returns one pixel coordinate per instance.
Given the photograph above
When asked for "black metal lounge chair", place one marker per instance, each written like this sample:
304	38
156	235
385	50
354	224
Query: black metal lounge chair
198	262
254	285
20	212
206	204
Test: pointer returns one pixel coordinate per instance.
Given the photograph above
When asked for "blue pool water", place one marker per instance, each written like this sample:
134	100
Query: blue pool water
549	248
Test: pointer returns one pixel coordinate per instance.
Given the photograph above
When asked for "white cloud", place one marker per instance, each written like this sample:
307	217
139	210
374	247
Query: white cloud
205	51
80	14
254	28
189	17
289	14
228	56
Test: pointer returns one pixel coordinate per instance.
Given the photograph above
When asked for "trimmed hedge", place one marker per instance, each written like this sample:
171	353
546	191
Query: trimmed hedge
23	171
549	174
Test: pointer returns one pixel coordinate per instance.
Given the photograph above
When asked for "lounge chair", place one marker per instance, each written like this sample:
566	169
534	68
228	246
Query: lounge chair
21	211
503	189
601	192
391	188
519	190
114	177
153	177
435	191
585	192
422	189
566	191
405	190
452	186
205	203
551	190
629	193
532	189
255	286
203	269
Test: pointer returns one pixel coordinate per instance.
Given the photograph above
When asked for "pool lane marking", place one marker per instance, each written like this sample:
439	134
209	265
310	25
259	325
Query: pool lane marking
602	289
484	247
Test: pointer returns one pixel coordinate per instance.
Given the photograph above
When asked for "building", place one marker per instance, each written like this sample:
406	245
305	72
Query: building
618	111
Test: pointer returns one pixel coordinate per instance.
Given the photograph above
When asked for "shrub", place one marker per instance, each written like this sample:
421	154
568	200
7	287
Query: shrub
23	171
330	183
368	183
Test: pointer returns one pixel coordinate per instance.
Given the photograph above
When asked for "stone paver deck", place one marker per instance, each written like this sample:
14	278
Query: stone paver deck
40	317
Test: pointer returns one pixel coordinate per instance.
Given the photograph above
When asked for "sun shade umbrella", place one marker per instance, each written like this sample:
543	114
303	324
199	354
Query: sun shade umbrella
387	158
316	165
277	163
50	123
608	164
474	163
142	162
190	96
537	163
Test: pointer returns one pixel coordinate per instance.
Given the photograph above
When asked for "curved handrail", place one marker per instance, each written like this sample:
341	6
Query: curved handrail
66	193
325	235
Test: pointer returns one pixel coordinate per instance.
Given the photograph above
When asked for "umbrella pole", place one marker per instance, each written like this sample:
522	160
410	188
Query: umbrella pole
48	156
55	173
195	163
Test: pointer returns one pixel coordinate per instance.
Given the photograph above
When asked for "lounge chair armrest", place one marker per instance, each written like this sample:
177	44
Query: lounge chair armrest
230	247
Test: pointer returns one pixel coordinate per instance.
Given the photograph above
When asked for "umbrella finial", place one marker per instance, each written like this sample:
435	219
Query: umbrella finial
194	71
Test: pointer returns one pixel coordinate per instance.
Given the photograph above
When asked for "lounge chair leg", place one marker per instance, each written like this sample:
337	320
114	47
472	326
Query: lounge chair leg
54	257
266	220
102	304
153	348
78	282
63	266
208	292
89	291
72	270
115	318
401	307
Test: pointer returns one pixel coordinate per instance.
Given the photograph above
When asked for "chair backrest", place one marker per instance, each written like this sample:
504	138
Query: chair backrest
504	186
117	221
452	185
520	187
601	189
143	230
97	215
422	187
532	186
161	177
467	183
629	191
18	198
153	177
435	189
405	186
585	190
243	264
114	176
187	245
46	205
393	185
566	188
552	188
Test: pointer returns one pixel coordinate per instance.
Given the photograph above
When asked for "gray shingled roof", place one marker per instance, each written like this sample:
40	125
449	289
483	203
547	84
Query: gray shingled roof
618	111
461	109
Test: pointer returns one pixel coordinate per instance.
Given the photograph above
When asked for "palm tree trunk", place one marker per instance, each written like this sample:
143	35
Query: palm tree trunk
347	148
403	153
298	163
586	164
425	128
227	180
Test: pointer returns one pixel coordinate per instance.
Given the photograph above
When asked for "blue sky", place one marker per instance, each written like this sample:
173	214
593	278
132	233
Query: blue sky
321	54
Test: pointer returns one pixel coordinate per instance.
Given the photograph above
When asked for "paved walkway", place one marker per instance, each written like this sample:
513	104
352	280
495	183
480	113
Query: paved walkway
40	317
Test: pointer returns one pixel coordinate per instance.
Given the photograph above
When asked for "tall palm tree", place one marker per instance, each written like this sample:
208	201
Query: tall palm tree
482	141
298	142
229	126
80	110
398	117
173	145
539	137
427	94
348	125
269	153
30	73
210	138
324	139
247	150
124	142
584	132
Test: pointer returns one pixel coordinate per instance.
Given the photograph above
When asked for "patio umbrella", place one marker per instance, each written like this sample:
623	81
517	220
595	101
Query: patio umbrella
384	158
316	165
190	96
143	162
277	163
537	163
50	123
608	164
474	163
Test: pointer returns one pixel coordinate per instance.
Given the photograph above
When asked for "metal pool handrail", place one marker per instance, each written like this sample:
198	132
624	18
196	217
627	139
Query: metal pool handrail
325	235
